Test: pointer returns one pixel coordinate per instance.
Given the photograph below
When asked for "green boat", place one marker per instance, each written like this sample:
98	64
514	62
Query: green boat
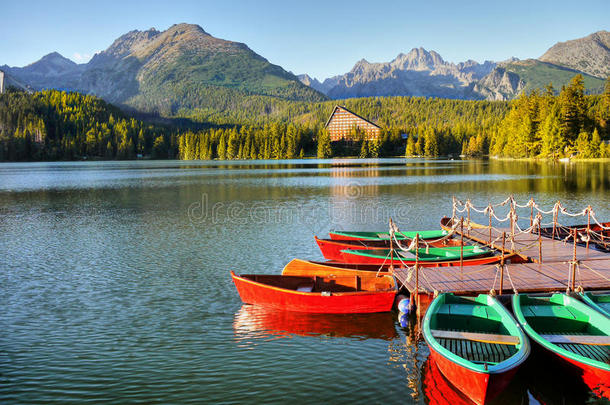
432	254
342	235
570	330
475	342
601	301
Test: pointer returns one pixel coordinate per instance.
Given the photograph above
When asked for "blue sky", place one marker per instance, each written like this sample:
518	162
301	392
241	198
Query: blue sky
322	38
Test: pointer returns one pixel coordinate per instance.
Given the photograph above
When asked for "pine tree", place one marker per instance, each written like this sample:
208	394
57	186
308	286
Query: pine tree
552	142
572	104
222	148
410	148
324	148
582	145
374	147
431	143
364	150
596	145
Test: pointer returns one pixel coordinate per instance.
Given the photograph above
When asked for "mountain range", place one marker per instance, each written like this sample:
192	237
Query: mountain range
184	71
183	67
425	73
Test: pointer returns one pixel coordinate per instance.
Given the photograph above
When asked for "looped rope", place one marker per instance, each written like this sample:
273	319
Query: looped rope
511	280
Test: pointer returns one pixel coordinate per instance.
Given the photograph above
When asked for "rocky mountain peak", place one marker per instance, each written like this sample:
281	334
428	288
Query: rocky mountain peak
590	54
183	28
52	64
417	59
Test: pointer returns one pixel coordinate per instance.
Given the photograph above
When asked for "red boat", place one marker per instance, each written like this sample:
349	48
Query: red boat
398	258
476	344
298	267
331	248
302	267
331	295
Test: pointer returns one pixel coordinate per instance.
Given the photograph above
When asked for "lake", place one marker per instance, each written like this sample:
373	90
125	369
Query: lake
115	285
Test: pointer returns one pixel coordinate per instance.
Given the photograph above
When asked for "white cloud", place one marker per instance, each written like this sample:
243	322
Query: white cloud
81	57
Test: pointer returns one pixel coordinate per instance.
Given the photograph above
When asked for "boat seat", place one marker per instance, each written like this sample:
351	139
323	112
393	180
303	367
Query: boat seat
578	339
549	311
476	351
477	337
464	310
305	287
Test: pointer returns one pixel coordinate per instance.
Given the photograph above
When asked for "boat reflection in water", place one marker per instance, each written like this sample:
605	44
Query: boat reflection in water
253	321
439	391
562	386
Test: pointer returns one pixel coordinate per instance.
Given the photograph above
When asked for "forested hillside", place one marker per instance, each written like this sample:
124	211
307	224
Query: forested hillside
54	125
549	126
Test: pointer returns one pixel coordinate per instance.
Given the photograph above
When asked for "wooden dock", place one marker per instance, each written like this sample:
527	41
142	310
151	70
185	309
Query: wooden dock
529	246
549	268
526	277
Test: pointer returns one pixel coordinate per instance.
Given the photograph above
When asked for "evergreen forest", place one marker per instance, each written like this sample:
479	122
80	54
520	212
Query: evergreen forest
57	125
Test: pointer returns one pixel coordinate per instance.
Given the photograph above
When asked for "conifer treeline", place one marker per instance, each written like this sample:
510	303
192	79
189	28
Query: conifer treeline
273	141
55	125
549	126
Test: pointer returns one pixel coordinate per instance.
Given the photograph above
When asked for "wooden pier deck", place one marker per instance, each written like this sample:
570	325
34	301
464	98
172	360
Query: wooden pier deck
528	245
552	273
526	277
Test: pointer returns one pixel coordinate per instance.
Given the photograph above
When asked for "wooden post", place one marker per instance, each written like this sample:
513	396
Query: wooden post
391	251
417	269
574	261
531	214
468	212
554	221
539	244
512	223
490	228
502	263
588	225
461	242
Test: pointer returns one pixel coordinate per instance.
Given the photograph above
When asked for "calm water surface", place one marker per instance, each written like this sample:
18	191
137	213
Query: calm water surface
114	277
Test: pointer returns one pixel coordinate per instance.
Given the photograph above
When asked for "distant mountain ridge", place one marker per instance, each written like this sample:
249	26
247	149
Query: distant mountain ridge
417	73
186	71
425	73
165	71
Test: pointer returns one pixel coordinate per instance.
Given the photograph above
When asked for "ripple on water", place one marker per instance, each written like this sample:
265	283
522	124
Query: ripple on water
110	291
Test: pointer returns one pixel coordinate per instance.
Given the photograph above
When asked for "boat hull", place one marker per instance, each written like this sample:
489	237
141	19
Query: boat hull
331	249
386	236
255	293
478	387
298	267
570	314
388	261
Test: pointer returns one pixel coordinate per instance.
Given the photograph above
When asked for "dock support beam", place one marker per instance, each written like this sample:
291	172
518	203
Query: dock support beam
502	264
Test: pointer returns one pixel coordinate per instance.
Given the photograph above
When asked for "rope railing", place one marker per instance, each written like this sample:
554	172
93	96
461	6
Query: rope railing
592	232
558	209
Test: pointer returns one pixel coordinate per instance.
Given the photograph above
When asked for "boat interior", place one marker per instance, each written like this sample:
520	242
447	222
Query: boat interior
469	328
319	284
566	326
601	299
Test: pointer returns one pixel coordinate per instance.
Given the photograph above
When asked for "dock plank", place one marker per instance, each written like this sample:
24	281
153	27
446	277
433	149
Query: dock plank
526	245
526	277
